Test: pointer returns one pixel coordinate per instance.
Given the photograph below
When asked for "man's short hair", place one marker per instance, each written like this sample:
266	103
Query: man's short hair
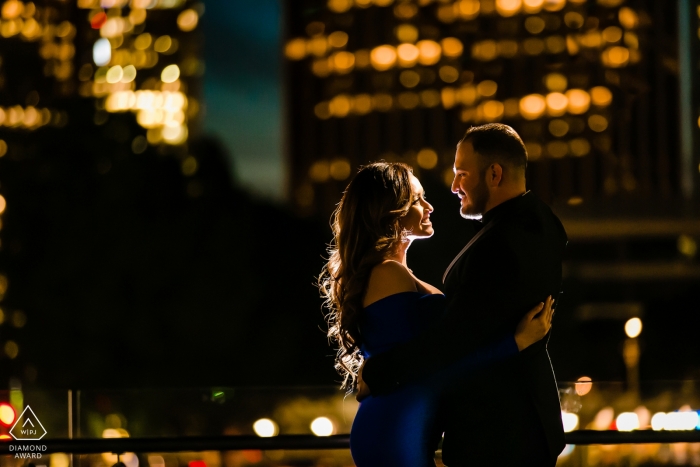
497	143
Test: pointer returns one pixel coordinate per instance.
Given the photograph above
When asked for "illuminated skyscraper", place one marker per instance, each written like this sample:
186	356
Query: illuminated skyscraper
592	86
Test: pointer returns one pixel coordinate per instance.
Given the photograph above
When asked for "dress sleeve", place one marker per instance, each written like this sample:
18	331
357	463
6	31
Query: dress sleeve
488	354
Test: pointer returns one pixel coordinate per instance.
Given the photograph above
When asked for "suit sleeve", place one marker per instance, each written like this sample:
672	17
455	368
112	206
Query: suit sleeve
477	315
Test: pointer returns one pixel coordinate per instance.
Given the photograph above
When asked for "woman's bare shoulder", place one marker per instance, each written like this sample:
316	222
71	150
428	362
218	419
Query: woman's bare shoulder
388	278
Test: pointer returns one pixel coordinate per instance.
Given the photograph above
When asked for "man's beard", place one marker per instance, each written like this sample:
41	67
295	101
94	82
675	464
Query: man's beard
479	198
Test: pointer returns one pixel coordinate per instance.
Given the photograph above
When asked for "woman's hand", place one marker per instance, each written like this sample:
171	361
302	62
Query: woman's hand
535	324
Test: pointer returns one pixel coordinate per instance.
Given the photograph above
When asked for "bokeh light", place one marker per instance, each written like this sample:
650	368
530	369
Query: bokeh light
616	57
322	426
427	158
601	96
683	420
557	149
295	49
448	74
7	414
343	62
408	54
492	110
557	104
570	421
579	147
170	74
429	52
583	385
340	169
11	349
532	106
102	52
508	8
467	9
598	123
487	88
115	74
532	6
558	128
409	78
265	428
612	34
164	44
383	57
628	18
452	47
407	33
339	6
187	20
633	327
579	101
556	82
338	39
627	421
534	24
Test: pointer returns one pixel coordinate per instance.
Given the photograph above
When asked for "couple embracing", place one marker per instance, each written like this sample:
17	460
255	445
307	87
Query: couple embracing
471	363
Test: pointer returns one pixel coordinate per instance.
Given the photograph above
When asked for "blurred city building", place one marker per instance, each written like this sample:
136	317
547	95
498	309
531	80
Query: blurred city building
129	254
84	86
601	93
599	90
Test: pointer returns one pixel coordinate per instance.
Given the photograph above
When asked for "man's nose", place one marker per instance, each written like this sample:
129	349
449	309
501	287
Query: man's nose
454	187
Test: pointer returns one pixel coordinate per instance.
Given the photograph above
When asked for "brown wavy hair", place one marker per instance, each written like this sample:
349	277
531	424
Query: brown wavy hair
366	230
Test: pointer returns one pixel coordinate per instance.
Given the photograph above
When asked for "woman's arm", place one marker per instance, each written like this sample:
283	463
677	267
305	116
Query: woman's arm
533	327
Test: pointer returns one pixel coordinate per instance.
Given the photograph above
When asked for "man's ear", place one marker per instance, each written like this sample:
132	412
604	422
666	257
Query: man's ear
494	175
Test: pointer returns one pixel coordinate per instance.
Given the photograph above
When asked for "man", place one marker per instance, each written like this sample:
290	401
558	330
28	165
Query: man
507	414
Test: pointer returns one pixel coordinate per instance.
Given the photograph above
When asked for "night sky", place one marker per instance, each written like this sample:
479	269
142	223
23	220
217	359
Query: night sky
242	89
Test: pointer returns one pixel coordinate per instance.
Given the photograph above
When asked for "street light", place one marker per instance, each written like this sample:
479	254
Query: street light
630	353
633	327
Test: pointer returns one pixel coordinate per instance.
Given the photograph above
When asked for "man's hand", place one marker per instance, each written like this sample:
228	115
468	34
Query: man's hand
362	388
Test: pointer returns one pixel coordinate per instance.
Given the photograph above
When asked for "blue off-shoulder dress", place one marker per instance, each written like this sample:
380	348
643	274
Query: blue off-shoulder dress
402	428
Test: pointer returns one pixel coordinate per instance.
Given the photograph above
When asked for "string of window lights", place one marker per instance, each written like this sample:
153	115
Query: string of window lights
468	8
428	52
161	107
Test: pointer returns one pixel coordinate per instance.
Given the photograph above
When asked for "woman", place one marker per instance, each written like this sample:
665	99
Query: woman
376	302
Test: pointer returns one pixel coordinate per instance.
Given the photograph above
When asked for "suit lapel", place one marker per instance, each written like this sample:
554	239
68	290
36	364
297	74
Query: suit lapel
476	237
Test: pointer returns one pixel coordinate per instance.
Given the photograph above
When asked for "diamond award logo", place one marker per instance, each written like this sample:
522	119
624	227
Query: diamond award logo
28	427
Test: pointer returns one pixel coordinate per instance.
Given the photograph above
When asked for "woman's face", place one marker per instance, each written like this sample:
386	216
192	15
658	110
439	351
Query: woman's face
417	220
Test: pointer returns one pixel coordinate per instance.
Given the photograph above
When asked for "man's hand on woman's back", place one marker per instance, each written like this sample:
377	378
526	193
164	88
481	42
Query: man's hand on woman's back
362	388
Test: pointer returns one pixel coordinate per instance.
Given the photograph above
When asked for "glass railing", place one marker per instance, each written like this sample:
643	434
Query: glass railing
297	414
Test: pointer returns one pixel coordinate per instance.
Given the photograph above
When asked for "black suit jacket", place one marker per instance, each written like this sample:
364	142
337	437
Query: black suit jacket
499	412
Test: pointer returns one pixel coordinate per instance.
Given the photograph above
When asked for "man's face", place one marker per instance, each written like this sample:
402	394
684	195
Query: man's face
469	183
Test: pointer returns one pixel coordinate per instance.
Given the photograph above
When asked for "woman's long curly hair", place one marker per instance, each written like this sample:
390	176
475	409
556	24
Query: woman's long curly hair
366	230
